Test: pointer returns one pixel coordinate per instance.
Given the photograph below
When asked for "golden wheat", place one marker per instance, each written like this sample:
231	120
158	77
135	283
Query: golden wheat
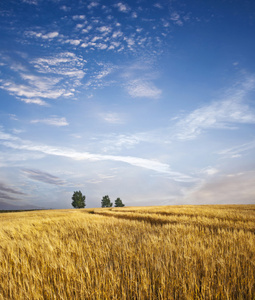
178	252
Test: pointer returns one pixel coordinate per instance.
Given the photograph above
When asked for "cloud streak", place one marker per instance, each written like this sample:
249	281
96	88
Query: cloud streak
6	190
224	114
54	121
237	151
148	164
43	177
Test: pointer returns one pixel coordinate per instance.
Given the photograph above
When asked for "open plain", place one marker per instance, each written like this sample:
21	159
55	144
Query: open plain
161	252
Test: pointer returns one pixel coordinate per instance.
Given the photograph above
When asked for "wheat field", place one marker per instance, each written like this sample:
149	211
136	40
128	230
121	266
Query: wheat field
167	252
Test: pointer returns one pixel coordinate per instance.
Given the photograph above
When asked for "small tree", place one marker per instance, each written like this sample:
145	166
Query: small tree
106	202
118	203
78	200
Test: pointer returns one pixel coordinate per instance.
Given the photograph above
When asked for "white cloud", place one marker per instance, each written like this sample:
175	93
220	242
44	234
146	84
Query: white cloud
103	73
33	33
224	114
96	38
237	151
65	63
114	45
34	2
158	5
75	135
40	82
141	88
130	42
117	34
175	17
134	15
17	131
112	118
87	29
22	90
93	4
79	26
35	101
118	142
122	7
55	121
84	45
104	29
79	17
50	35
13	117
65	8
101	46
149	164
7	136
56	76
210	171
73	42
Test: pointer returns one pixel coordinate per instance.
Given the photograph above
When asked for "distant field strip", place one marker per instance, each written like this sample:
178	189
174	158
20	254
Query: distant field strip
214	222
168	252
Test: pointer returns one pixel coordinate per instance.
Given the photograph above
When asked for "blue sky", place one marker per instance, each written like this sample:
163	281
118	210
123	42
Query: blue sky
149	101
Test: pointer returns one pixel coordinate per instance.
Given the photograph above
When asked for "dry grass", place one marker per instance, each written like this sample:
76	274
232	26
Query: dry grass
170	252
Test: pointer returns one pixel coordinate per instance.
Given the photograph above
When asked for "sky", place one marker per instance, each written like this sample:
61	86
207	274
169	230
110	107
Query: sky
149	101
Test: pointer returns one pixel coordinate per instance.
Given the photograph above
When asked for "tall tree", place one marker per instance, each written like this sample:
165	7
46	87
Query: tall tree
78	200
118	203
106	202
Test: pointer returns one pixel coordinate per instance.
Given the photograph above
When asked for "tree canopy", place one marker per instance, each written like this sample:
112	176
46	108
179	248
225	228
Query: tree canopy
106	202
78	200
118	203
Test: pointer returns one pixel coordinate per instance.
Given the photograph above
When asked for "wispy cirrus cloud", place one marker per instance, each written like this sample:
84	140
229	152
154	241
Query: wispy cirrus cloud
112	118
139	80
115	142
55	121
237	151
142	88
37	101
149	164
225	114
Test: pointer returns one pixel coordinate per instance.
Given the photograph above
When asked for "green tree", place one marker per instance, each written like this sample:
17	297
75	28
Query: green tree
106	202
78	200
118	203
